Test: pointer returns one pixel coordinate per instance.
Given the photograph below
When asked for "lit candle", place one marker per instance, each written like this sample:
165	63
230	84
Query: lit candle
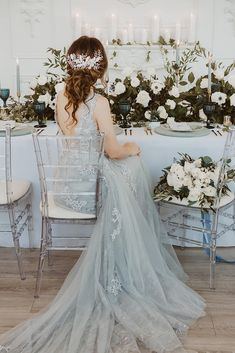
18	93
192	28
209	73
124	36
113	28
78	25
155	29
144	36
178	32
130	33
177	59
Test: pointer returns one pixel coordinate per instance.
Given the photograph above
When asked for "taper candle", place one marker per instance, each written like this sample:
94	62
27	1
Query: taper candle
155	29
18	93
130	33
192	28
209	73
113	28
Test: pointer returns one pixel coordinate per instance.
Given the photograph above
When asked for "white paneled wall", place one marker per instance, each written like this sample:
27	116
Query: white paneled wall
28	27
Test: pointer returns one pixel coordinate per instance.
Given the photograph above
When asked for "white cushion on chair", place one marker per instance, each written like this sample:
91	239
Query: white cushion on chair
19	189
224	201
55	211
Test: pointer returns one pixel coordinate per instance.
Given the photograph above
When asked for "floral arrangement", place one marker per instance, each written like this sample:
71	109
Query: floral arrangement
192	181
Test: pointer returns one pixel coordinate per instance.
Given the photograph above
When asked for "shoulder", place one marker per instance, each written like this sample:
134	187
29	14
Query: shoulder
101	102
61	96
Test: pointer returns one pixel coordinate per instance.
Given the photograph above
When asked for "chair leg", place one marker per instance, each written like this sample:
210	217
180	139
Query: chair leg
49	252
184	222
18	254
212	260
43	251
30	225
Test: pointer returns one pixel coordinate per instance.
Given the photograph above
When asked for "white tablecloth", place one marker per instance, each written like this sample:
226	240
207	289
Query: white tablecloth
157	152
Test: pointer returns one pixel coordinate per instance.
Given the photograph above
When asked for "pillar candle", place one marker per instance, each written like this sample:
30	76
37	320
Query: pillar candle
124	36
177	60
209	73
155	29
192	28
113	28
167	35
177	32
18	93
144	36
130	33
78	25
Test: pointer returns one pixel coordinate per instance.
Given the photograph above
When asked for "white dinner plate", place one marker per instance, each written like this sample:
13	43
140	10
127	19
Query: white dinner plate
193	125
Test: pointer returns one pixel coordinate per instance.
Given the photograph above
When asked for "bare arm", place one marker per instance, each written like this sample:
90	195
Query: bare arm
112	147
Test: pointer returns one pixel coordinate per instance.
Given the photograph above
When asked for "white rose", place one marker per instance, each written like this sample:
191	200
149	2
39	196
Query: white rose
196	172
46	98
194	194
174	92
42	80
219	74
162	112
187	181
143	98
59	87
135	82
204	83
197	163
231	79
33	83
147	115
127	71
178	170
218	97
188	167
210	191
232	99
184	103
119	88
157	86
174	181
202	115
170	103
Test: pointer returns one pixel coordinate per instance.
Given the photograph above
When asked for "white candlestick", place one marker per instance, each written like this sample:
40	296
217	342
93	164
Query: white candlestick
177	60
209	73
78	25
113	28
155	29
192	28
144	36
130	33
178	32
124	36
18	93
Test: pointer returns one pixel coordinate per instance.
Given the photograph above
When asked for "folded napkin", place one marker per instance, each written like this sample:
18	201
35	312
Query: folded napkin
4	123
178	126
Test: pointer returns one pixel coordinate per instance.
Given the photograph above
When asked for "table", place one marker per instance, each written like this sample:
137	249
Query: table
157	152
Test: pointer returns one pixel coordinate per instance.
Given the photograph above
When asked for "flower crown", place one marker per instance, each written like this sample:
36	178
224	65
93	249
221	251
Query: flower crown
83	61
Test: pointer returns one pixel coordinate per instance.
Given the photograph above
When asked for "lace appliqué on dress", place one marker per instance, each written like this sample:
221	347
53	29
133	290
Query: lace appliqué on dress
115	286
4	349
129	178
116	218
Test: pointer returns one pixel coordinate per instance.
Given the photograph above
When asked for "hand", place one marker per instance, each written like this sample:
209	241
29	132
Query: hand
133	149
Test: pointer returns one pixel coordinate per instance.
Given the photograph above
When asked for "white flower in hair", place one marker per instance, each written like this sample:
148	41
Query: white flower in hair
83	61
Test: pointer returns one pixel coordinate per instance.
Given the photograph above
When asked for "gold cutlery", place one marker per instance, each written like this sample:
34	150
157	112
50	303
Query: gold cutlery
146	130
150	130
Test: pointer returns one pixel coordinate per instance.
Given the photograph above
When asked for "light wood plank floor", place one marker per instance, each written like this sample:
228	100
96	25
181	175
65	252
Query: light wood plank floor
213	333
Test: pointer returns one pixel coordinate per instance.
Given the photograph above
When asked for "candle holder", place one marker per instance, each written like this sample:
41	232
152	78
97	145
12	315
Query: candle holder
39	108
124	110
209	109
4	95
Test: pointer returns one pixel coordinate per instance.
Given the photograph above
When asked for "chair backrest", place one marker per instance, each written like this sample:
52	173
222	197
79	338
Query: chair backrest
70	169
226	166
5	166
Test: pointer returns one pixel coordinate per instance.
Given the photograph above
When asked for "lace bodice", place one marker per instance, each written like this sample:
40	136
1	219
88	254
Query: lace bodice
86	122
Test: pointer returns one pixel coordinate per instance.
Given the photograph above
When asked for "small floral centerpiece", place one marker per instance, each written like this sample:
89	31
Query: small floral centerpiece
192	182
145	96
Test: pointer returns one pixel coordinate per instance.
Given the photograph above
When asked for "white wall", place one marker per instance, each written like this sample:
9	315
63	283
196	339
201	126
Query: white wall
28	27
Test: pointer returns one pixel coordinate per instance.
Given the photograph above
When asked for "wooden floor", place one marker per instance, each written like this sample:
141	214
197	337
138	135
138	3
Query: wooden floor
213	333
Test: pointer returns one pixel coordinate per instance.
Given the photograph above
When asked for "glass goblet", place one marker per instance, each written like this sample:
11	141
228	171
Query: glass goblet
4	95
39	108
124	109
209	109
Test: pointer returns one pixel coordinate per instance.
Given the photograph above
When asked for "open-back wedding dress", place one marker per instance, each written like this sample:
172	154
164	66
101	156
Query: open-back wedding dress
126	292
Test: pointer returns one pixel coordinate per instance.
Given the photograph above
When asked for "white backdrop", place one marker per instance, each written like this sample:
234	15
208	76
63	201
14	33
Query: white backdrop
28	27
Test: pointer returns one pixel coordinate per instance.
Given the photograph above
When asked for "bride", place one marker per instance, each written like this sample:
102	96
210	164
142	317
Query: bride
126	294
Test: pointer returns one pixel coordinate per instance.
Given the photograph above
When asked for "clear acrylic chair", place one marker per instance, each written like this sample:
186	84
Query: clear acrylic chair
189	224
15	202
70	173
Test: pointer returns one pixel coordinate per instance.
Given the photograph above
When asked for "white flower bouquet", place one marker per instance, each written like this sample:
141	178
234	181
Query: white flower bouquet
192	182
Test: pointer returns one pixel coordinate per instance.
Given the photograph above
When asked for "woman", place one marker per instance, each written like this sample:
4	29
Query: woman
126	294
